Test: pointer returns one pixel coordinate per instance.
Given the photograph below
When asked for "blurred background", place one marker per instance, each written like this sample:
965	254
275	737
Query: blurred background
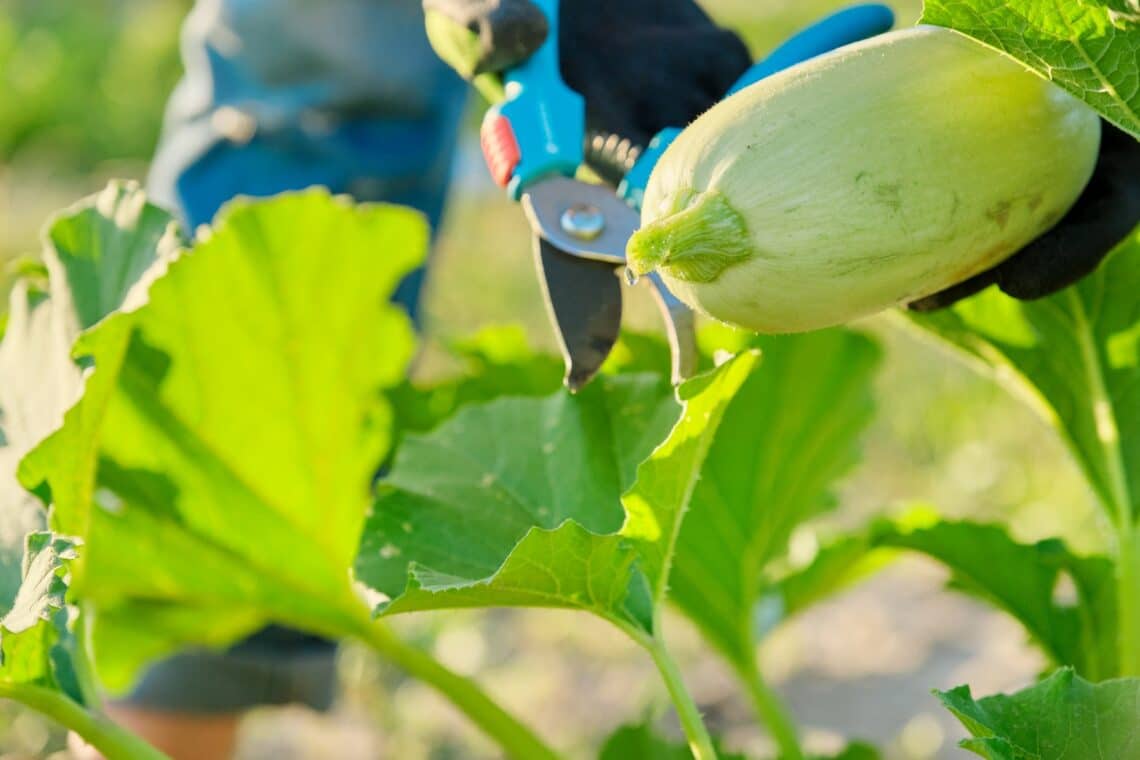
82	89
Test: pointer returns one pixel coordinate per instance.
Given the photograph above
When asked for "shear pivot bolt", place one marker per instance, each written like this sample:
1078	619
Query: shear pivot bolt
583	221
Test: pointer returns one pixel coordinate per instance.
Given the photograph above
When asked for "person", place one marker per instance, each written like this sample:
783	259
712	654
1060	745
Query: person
285	94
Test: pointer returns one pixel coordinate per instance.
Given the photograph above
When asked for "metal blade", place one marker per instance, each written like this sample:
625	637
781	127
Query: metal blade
680	329
583	298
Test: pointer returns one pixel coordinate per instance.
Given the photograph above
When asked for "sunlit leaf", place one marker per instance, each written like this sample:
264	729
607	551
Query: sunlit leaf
98	254
1090	47
228	435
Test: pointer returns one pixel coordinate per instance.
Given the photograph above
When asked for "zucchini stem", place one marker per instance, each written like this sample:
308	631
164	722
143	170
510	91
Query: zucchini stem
111	739
700	743
696	243
771	710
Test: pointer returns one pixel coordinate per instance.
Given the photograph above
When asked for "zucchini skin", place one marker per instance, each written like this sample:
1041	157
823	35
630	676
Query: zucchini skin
875	175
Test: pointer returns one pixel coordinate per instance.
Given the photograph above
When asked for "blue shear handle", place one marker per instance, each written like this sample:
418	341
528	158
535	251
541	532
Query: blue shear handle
841	28
547	117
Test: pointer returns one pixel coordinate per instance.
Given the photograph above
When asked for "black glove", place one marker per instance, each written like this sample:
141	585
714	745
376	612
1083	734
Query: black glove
641	65
484	36
1106	212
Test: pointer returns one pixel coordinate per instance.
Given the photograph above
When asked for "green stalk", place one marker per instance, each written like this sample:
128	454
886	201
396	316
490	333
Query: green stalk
1118	500
1128	600
700	743
84	668
695	243
771	710
112	740
461	49
490	86
516	739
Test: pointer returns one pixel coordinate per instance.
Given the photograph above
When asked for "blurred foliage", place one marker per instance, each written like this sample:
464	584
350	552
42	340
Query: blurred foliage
85	82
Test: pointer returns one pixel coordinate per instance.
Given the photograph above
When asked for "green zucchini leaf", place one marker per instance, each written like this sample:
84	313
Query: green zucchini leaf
228	435
789	434
1066	602
499	361
1090	47
1063	717
1022	579
495	361
529	509
35	642
98	254
641	742
1076	357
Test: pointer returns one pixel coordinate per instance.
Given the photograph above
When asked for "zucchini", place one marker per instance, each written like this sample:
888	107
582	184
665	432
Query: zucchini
874	175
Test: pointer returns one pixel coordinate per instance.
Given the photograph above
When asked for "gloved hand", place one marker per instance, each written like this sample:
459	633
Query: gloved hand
641	65
484	36
1106	212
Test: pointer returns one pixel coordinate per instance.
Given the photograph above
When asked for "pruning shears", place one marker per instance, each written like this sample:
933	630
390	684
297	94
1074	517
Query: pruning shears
534	143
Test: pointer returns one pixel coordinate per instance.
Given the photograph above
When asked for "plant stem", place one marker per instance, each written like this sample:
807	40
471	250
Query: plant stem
516	739
490	86
84	668
112	740
700	743
1128	601
771	710
1117	500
